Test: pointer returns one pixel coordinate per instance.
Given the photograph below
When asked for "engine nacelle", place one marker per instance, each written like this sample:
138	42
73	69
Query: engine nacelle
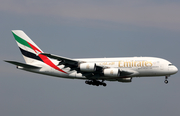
125	80
111	72
87	67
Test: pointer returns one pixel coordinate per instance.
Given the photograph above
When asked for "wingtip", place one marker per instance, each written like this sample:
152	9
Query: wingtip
8	61
5	60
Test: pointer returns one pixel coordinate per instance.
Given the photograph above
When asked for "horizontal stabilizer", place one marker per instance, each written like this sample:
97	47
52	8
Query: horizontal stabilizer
22	64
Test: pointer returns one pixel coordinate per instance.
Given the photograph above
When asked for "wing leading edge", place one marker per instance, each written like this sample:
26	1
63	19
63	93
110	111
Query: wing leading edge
63	60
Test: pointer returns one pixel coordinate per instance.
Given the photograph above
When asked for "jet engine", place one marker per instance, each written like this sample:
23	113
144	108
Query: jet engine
111	72
87	67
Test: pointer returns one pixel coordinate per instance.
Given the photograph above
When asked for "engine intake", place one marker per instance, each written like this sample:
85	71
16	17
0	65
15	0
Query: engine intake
88	67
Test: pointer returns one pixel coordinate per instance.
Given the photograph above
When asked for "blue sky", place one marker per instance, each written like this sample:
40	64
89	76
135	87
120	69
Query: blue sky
81	29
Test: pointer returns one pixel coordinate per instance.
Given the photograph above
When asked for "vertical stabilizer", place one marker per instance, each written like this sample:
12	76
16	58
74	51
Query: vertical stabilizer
28	48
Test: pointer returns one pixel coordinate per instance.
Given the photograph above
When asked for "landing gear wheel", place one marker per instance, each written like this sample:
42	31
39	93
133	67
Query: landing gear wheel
87	82
166	81
95	83
104	84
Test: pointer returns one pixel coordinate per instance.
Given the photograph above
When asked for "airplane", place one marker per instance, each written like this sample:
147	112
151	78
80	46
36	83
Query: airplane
93	70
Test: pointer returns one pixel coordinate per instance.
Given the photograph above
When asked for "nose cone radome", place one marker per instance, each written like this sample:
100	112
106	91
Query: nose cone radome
174	70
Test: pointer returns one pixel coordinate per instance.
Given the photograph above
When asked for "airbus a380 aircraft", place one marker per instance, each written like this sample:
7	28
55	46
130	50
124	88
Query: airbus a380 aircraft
94	70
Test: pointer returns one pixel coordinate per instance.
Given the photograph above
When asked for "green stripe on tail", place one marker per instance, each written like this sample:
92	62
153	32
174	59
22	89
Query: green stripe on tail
21	41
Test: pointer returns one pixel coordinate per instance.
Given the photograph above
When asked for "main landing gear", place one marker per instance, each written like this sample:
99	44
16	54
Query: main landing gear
94	82
166	81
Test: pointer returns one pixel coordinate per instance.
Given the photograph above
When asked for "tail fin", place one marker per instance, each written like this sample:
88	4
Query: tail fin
27	47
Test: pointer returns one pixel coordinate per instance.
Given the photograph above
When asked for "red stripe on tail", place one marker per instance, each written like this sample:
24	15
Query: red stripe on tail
45	58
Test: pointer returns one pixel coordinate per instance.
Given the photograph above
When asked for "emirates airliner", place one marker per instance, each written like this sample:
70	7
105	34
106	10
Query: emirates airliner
93	70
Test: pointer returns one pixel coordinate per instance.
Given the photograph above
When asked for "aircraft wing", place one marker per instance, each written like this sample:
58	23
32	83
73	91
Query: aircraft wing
22	64
63	60
73	64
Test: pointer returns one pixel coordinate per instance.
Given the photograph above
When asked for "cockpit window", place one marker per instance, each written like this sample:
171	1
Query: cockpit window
170	64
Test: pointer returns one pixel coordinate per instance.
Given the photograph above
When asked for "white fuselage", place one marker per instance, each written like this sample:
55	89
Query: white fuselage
139	66
92	69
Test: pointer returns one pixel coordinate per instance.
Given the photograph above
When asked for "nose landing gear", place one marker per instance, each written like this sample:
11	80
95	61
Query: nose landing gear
166	81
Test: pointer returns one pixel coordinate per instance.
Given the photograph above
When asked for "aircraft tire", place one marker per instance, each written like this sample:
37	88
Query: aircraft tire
166	81
104	84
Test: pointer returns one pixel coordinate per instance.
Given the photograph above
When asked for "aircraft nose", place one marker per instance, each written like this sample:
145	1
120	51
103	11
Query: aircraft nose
175	69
